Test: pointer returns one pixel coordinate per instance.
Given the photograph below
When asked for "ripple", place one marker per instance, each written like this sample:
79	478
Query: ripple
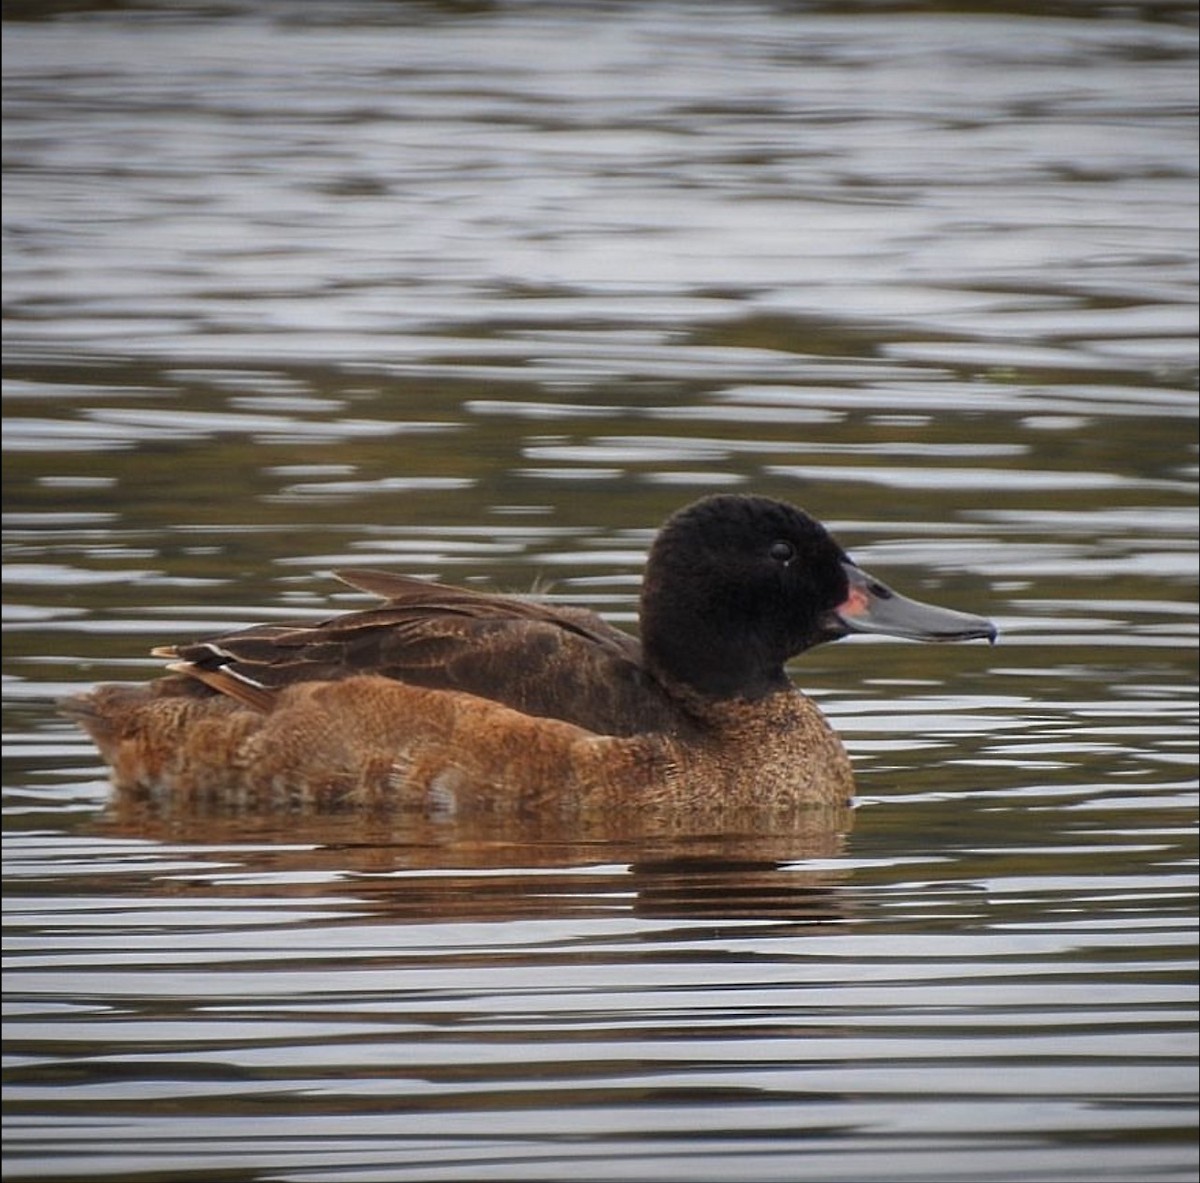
488	296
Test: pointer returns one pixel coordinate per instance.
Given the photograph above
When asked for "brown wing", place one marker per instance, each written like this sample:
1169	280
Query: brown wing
557	662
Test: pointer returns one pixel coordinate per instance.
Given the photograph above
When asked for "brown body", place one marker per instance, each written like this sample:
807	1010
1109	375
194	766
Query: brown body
456	702
371	742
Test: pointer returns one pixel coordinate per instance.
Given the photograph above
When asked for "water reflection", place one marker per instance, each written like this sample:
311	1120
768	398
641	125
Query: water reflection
483	293
425	871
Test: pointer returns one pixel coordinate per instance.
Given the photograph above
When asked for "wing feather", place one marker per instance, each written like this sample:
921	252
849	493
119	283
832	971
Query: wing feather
542	659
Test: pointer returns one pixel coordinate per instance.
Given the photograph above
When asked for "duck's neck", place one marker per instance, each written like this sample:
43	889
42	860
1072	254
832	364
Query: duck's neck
712	662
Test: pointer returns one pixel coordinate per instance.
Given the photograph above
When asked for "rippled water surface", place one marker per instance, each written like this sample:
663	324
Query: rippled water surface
483	292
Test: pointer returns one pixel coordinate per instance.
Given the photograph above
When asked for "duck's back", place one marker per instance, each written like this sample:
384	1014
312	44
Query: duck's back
540	659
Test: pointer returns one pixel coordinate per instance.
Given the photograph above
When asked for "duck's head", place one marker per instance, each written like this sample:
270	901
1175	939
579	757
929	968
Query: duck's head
736	585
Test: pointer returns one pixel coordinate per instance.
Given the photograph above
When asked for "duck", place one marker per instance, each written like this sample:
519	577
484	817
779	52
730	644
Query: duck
452	701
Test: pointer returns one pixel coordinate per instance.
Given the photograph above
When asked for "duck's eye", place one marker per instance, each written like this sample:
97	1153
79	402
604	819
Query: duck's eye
782	552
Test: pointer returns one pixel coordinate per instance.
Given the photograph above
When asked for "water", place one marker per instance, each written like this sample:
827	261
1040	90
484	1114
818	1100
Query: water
483	294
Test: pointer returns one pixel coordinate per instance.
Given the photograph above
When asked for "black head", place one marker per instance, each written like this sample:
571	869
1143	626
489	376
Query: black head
734	586
737	585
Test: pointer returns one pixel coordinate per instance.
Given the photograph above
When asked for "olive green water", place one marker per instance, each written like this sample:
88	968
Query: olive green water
483	293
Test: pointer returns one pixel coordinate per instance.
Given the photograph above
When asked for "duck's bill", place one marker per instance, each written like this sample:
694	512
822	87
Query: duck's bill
872	607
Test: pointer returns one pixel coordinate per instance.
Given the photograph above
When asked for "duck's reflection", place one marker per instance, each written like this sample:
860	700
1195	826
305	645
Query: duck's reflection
421	869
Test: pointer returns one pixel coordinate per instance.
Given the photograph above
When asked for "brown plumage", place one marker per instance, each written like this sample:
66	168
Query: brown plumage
449	700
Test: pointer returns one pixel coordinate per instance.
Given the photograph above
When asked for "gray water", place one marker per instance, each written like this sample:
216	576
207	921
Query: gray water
483	292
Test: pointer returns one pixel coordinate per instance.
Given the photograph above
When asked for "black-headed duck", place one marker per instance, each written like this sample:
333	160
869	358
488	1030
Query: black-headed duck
445	699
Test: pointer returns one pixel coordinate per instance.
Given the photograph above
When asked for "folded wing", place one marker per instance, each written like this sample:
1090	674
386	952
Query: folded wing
545	660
